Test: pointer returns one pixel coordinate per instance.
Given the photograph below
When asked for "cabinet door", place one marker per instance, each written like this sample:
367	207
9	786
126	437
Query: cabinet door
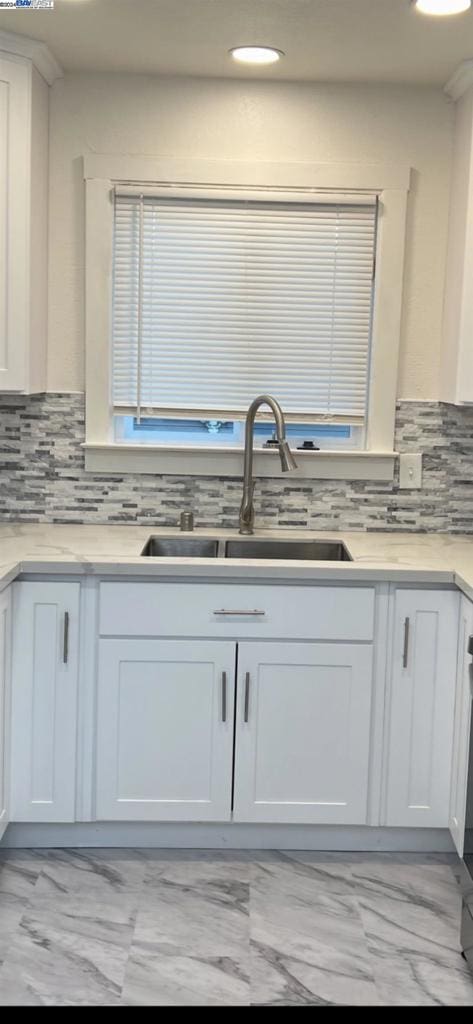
5	624
461	730
44	701
165	730
303	732
14	222
420	730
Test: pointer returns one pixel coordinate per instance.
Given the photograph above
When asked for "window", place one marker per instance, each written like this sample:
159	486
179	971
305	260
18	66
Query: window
232	281
231	433
217	301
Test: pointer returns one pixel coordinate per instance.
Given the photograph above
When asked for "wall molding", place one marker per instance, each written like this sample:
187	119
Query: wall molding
246	174
34	50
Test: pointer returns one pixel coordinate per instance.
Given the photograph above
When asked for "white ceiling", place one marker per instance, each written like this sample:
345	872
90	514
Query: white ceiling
324	40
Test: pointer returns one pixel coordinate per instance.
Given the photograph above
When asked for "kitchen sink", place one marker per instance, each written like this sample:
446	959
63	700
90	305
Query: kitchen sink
247	547
180	547
299	550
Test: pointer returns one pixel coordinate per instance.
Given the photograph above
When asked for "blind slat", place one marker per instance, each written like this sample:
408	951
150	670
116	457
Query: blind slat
217	301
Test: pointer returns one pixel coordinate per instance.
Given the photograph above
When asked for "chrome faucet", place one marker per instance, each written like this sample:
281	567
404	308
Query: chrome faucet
288	462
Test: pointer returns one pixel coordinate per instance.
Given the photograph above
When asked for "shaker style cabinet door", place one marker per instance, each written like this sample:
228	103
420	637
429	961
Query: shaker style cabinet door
165	730
421	707
5	648
14	222
303	732
44	701
462	726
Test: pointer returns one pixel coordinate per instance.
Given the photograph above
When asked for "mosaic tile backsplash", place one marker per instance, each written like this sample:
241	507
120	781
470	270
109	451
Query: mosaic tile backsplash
43	479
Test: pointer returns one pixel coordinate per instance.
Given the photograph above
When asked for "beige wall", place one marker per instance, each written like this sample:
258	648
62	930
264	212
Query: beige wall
237	120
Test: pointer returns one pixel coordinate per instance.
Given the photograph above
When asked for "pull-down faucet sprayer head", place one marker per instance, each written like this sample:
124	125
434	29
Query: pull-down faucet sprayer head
288	462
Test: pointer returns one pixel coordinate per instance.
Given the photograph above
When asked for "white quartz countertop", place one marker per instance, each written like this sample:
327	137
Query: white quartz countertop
115	551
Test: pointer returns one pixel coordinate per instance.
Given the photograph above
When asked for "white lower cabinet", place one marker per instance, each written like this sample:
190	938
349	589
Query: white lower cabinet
421	708
462	726
44	701
258	729
165	730
5	624
303	732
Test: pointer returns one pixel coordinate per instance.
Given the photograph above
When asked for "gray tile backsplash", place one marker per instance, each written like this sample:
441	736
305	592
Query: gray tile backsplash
43	479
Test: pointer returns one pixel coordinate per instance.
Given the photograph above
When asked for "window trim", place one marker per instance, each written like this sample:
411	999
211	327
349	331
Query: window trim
103	173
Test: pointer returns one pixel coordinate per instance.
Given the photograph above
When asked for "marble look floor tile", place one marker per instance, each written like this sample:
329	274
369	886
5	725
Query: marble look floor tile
329	872
223	928
416	980
68	952
19	871
95	872
12	909
308	945
19	874
196	906
429	882
398	857
309	977
155	977
193	855
412	921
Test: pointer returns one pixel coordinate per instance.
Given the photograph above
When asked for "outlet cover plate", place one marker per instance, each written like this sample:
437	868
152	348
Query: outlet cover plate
410	472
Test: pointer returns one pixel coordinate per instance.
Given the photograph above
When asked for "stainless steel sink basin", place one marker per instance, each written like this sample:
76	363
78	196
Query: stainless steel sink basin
246	547
180	547
299	550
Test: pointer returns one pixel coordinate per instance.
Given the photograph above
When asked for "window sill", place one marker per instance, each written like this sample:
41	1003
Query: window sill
153	459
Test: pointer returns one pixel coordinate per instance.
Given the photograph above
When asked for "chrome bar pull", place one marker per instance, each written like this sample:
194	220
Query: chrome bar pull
224	696
405	652
251	612
65	644
247	697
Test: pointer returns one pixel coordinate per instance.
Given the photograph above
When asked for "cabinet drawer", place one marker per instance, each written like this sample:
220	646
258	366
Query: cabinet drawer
232	610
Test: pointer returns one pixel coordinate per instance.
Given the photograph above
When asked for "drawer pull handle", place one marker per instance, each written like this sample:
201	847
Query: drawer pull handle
405	653
65	644
224	696
247	697
229	611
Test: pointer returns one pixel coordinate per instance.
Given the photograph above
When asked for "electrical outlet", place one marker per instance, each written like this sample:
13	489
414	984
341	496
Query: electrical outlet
410	472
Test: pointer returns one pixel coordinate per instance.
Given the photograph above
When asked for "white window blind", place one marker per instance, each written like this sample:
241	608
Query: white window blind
217	301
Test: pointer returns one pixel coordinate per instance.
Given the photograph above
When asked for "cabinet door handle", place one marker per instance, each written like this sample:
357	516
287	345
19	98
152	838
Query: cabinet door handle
65	642
224	696
405	652
247	697
236	611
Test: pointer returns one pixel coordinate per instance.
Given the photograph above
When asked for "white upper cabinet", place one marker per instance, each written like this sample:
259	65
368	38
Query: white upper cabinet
457	355
24	103
303	729
420	708
44	701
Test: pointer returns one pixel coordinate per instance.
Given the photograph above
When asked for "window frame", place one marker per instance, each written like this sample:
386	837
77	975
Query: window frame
104	173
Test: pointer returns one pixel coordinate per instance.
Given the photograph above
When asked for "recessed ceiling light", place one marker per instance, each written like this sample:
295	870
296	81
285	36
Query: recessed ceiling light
256	54
442	7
